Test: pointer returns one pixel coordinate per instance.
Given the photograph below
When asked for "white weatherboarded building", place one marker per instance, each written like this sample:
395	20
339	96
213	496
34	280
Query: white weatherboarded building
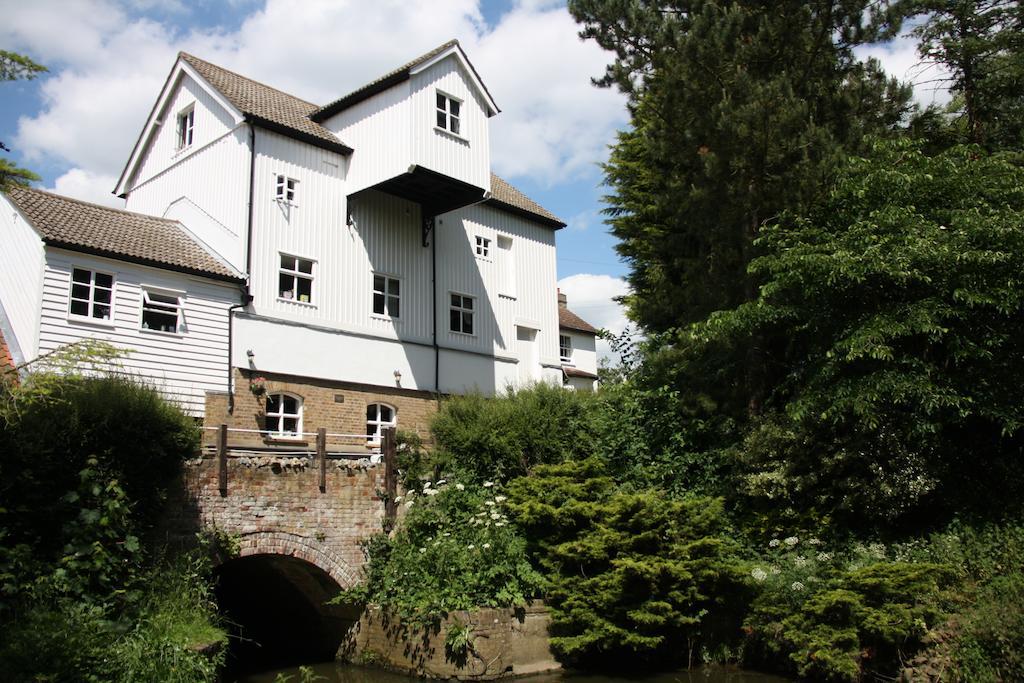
383	262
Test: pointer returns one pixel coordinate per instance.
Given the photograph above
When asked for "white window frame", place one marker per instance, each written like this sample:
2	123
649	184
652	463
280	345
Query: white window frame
463	311
286	189
91	302
506	260
483	247
186	127
161	307
274	431
444	119
565	342
296	274
374	438
387	297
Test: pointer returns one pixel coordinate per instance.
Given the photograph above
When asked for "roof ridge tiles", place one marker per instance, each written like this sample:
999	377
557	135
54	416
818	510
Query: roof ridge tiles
189	56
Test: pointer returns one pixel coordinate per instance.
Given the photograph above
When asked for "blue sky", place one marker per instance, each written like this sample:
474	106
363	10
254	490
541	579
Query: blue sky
108	59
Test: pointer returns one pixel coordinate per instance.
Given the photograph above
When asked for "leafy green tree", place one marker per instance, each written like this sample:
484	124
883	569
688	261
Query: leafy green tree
15	67
901	297
739	111
631	578
981	44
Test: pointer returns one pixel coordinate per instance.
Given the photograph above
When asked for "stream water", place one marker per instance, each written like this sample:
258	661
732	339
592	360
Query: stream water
333	672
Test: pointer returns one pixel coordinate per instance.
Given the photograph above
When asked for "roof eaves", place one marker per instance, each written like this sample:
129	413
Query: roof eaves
154	263
287	131
525	213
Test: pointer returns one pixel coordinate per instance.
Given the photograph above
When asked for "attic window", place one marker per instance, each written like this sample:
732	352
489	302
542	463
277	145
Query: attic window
483	246
186	123
448	112
285	188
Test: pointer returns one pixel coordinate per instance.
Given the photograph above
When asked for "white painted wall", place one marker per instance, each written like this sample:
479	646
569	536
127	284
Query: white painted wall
21	279
584	350
466	156
183	366
378	131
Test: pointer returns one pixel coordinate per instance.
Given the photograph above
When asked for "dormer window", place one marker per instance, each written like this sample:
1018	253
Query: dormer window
186	123
448	112
483	246
285	189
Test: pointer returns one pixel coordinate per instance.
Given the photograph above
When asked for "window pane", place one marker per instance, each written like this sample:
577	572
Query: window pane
80	292
81	275
385	414
453	107
305	266
456	300
454	325
104	280
467	302
393	306
371	432
287	262
304	287
289	425
79	307
467	323
378	303
273	403
441	101
291	405
371	412
100	311
101	296
378	283
284	285
393	287
441	119
453	125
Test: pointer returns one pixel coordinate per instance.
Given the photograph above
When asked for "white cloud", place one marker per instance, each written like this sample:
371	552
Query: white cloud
81	184
592	298
555	125
900	59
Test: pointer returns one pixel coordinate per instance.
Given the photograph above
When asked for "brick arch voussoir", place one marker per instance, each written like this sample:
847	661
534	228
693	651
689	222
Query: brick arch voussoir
300	547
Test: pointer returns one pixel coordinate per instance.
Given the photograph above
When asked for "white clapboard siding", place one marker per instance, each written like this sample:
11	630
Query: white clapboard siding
21	279
210	122
183	366
466	156
378	131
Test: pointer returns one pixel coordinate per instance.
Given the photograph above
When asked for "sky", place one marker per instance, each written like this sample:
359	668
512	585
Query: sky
108	59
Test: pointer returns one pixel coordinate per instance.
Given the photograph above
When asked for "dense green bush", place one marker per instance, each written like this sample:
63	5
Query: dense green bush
486	439
838	615
454	550
628	574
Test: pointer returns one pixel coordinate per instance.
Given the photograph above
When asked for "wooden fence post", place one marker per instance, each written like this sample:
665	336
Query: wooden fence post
222	459
389	450
321	456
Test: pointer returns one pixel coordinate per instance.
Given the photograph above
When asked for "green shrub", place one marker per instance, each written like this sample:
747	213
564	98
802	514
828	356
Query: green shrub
631	577
502	438
839	615
454	550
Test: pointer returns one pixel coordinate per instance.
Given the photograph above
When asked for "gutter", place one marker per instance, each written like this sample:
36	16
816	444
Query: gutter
246	295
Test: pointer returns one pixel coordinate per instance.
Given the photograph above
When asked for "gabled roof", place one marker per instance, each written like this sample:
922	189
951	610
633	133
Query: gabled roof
267	106
94	229
505	196
400	74
569	320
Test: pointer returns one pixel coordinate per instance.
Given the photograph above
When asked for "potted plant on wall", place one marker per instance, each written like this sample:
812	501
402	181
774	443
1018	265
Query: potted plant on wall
258	386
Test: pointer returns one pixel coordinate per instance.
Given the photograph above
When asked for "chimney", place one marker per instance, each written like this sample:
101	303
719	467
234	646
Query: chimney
562	301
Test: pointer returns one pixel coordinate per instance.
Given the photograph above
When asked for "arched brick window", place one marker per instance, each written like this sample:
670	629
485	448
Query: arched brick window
379	416
284	415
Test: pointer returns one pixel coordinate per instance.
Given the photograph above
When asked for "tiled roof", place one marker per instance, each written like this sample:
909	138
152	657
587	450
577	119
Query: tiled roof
503	194
571	321
81	226
268	105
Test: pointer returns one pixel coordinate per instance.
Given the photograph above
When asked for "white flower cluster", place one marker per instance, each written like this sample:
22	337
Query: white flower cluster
797	586
791	541
759	574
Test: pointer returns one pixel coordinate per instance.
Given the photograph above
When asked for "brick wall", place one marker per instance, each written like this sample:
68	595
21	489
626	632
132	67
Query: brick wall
339	407
505	642
274	506
6	361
